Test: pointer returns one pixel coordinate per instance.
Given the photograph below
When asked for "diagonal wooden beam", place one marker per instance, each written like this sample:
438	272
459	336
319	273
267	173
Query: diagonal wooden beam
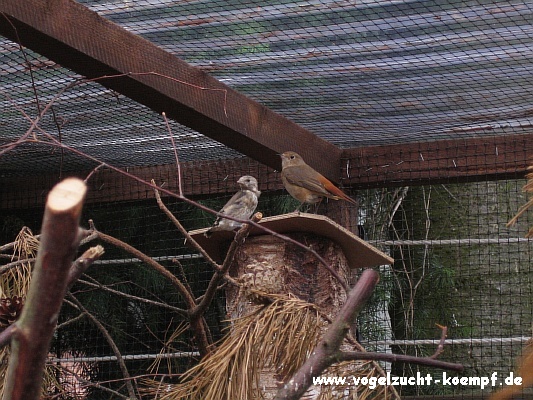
74	36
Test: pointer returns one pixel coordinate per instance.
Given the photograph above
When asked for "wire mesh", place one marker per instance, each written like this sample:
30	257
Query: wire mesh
355	73
456	265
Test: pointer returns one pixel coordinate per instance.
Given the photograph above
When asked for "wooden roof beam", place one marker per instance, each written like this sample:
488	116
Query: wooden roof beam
74	36
440	161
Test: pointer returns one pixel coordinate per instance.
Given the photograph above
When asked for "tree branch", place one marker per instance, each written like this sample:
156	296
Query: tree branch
327	351
197	325
34	329
98	285
427	361
112	344
220	273
440	347
7	334
180	227
83	262
6	267
182	290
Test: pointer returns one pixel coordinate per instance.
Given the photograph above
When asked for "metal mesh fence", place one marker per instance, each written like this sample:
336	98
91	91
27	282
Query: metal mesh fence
356	74
456	264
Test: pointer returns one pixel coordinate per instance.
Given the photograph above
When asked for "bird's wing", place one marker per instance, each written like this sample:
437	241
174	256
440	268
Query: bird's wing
241	205
305	176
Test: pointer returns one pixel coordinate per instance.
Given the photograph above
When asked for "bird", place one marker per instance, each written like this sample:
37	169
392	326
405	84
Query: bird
242	205
305	184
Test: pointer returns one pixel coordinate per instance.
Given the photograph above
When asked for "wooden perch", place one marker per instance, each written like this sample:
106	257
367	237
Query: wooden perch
33	332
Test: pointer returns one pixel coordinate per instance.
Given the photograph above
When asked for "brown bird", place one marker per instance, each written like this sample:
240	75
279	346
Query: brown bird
242	205
305	184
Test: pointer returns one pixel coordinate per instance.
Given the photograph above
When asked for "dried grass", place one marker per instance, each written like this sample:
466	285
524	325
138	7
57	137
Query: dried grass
528	187
167	349
16	281
276	337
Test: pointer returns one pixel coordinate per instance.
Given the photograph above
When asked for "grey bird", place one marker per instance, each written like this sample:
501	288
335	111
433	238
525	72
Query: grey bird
242	205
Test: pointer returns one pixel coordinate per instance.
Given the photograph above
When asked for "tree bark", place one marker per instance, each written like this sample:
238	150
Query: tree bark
34	330
274	266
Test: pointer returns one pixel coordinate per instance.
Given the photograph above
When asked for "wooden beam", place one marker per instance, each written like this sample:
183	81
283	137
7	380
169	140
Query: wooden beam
74	36
475	159
199	178
454	160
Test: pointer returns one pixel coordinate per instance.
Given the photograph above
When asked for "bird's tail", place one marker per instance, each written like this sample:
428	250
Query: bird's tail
339	193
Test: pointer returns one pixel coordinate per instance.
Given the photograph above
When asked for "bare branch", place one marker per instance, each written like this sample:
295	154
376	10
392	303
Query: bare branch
197	324
98	285
219	274
182	230
86	383
93	172
327	351
7	334
6	267
180	186
427	361
440	347
35	327
83	262
111	342
182	290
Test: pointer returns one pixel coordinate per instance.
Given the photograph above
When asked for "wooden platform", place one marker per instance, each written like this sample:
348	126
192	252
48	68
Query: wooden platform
359	253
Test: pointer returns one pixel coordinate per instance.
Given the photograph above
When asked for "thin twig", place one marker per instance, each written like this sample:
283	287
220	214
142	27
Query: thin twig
83	262
87	383
185	294
440	347
28	63
98	285
219	274
110	341
93	172
60	136
7	334
197	324
182	230
70	321
6	267
388	357
180	186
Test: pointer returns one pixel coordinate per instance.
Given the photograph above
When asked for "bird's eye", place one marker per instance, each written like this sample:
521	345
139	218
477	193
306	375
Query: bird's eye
292	157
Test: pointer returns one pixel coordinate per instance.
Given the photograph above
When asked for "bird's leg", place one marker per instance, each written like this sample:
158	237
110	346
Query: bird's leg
298	209
317	204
